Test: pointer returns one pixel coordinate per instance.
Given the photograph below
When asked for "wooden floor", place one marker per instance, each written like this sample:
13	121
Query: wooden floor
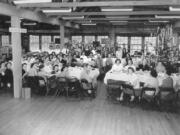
57	116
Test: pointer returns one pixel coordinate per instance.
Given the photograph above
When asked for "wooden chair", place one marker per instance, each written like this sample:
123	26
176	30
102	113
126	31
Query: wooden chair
166	95
52	84
74	88
86	87
114	89
61	85
149	97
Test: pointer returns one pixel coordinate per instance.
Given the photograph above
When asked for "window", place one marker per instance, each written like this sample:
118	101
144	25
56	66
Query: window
150	44
136	44
34	43
89	39
5	40
46	40
76	39
101	38
122	41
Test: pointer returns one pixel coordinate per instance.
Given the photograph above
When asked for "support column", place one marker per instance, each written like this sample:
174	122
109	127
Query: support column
112	37
40	42
143	45
96	38
62	35
129	44
16	53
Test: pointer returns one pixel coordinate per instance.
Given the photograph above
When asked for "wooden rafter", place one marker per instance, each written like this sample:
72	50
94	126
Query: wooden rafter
105	3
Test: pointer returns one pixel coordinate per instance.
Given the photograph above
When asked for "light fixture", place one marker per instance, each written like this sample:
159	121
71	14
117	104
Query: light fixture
115	9
114	17
158	21
118	21
73	17
29	24
167	17
68	10
174	8
88	24
31	1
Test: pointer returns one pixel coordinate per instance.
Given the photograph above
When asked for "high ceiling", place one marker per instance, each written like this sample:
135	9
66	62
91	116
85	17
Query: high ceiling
106	12
142	12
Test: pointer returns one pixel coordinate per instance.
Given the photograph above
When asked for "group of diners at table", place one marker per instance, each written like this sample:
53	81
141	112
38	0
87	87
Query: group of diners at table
119	66
141	76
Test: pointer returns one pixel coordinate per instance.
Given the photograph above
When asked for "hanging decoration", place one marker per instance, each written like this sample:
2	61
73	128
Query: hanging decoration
165	49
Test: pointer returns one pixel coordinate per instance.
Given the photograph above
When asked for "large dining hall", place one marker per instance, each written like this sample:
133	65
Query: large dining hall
89	67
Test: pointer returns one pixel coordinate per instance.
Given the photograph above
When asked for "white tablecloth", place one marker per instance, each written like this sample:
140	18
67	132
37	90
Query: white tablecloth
76	72
120	76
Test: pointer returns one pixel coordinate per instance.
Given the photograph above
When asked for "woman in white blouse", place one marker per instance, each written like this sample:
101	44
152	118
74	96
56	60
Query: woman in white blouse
117	67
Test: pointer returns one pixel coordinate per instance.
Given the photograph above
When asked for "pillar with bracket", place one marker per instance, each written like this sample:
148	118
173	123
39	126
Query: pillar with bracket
17	55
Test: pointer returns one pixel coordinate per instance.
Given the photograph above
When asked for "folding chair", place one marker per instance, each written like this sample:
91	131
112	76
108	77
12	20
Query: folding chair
74	88
148	94
114	89
87	89
52	85
166	95
62	85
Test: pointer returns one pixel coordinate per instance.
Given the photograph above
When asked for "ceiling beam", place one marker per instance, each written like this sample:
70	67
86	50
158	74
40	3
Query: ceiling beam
9	10
117	19
117	13
105	3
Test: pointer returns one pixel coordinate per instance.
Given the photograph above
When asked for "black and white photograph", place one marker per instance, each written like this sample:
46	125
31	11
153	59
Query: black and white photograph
89	67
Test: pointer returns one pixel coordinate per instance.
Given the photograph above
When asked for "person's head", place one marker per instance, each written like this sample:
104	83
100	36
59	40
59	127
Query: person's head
119	48
9	65
34	65
41	67
130	62
130	70
3	65
109	55
24	66
56	68
118	61
153	73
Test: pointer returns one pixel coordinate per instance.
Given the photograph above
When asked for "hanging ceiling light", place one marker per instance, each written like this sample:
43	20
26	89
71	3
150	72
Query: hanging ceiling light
68	10
174	8
115	9
31	1
167	17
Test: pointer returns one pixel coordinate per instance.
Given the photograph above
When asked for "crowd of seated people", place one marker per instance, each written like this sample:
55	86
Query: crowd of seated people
46	64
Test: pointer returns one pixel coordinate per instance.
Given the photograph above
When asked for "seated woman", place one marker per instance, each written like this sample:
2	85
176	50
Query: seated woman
64	72
33	70
130	64
160	68
85	74
133	81
56	70
9	75
24	70
152	82
117	67
2	74
109	62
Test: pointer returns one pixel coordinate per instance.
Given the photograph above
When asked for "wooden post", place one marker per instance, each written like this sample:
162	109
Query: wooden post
62	35
16	53
112	37
129	44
